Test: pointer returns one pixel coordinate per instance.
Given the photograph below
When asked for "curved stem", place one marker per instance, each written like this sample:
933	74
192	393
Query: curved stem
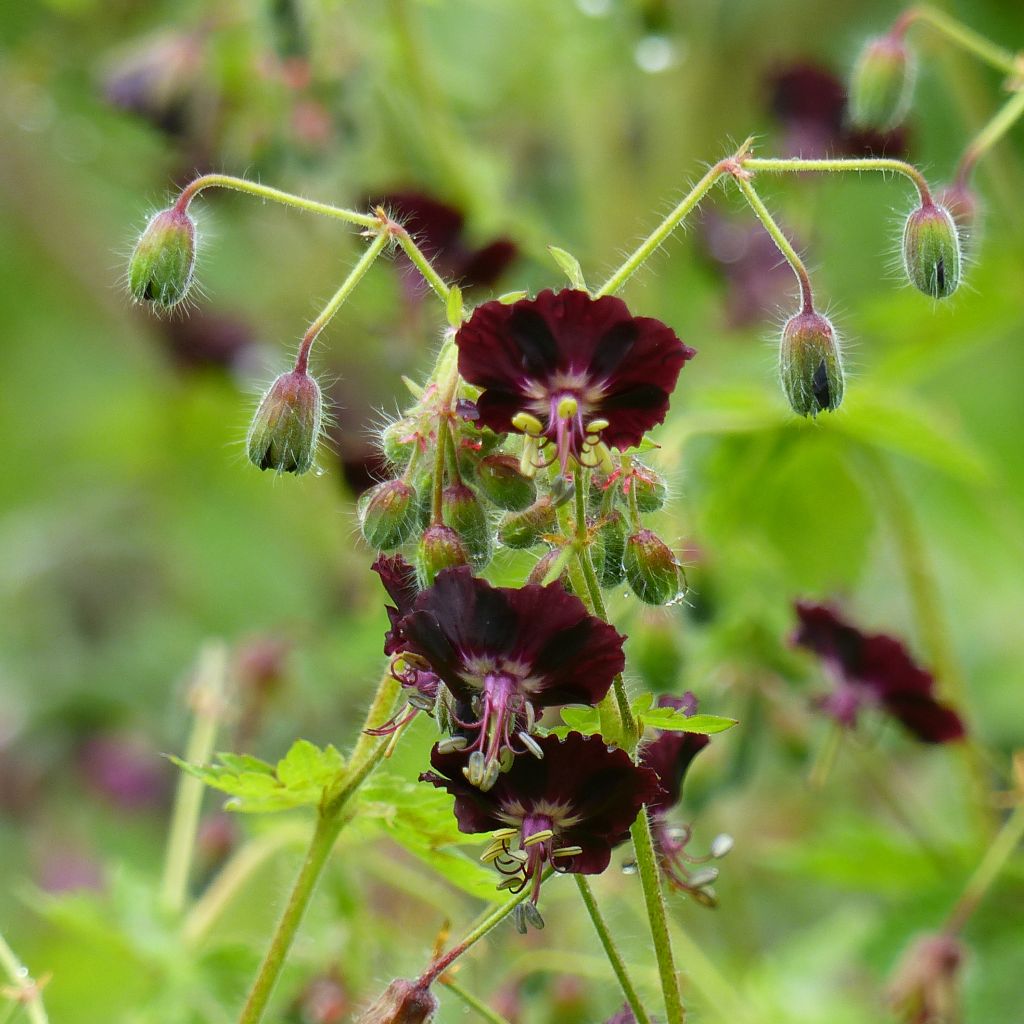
26	990
797	165
782	243
275	195
649	245
1005	118
959	34
473	1003
654	898
611	951
207	699
355	275
422	264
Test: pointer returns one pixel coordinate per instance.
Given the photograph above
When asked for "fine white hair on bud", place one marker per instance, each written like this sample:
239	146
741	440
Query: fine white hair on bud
286	428
931	250
811	364
162	264
882	84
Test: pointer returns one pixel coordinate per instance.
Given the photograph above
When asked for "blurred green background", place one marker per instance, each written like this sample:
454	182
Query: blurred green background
132	529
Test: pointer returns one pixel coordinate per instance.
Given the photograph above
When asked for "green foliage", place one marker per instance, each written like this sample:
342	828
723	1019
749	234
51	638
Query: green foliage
297	780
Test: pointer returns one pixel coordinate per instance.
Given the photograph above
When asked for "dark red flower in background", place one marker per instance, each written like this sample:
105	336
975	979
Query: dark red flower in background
874	669
566	809
439	230
570	370
504	653
669	756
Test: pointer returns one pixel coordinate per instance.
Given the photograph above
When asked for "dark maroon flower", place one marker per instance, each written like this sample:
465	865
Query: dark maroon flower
567	808
399	579
810	102
438	229
505	653
670	754
571	370
872	668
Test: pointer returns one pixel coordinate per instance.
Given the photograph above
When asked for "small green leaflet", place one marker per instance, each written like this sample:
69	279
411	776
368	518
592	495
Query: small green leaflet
570	266
297	780
674	720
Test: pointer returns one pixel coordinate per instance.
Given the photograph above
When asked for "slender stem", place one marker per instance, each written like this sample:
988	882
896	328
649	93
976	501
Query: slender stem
611	950
355	275
782	243
274	195
655	239
327	829
1005	118
1000	851
28	991
242	866
960	34
422	264
388	688
797	165
826	759
620	709
654	899
473	1003
207	699
475	934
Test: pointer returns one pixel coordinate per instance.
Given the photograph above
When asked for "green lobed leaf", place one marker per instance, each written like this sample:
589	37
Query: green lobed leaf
298	779
570	266
675	720
579	718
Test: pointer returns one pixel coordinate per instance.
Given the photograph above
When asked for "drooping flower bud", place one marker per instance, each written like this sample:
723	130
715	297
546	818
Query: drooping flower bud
811	364
462	511
501	482
650	488
286	428
609	549
524	529
931	251
398	441
387	514
403	1002
881	84
651	568
539	573
440	548
162	263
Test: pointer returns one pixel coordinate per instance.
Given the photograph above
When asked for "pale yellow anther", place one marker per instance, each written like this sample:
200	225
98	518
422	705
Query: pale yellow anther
493	852
567	407
596	426
605	458
568	851
506	833
508	883
538	837
528	424
588	457
528	460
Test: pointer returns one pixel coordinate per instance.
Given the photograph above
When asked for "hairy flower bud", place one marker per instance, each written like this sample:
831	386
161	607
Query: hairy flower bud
163	260
462	511
398	441
964	206
286	428
810	364
403	1002
609	549
524	529
440	548
387	514
500	481
651	568
931	251
650	489
539	573
881	84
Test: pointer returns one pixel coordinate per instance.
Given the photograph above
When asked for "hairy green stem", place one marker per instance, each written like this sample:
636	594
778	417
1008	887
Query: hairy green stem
657	237
473	1003
355	275
27	991
422	264
798	165
998	853
959	34
654	900
274	195
1005	118
782	243
611	951
207	697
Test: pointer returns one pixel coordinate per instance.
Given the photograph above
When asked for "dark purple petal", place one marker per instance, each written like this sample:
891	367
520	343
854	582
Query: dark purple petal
399	580
670	754
881	669
484	266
